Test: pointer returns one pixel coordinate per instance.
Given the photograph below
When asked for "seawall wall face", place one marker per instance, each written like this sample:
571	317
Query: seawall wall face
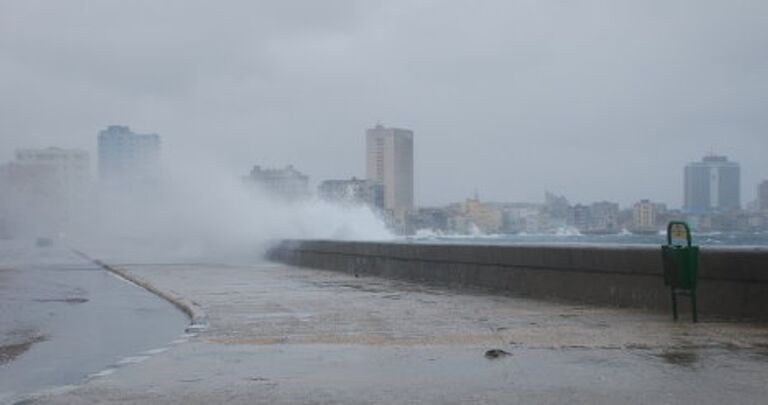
733	282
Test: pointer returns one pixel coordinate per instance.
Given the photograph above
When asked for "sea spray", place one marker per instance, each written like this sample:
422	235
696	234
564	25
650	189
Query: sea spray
196	213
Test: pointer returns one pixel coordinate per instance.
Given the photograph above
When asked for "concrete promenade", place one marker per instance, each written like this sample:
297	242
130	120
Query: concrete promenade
281	334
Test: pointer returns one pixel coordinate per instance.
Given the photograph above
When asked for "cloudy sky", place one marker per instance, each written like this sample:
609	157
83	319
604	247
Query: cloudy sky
591	99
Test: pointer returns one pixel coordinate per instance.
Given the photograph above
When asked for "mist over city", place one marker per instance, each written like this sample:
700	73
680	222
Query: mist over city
347	201
592	101
508	102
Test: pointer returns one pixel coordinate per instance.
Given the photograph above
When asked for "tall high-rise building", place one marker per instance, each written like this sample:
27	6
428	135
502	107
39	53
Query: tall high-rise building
390	163
124	155
714	184
762	196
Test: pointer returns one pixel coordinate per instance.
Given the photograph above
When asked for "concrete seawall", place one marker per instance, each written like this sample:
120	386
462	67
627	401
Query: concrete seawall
733	282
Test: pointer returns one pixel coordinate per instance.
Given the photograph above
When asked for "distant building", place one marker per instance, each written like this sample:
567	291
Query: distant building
526	217
353	192
287	183
43	188
6	230
389	162
598	217
604	217
714	184
124	155
432	219
580	217
757	222
65	173
762	196
70	167
645	216
557	207
487	218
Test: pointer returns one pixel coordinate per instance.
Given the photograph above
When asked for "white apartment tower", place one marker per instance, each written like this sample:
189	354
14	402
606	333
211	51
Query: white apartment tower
390	163
714	184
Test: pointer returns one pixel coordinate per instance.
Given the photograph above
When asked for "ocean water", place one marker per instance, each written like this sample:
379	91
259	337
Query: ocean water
746	239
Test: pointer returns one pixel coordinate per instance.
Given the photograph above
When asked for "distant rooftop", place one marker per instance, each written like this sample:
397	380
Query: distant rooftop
379	127
118	132
714	158
119	129
288	171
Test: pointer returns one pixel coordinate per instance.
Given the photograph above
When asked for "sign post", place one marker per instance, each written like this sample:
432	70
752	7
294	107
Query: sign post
681	264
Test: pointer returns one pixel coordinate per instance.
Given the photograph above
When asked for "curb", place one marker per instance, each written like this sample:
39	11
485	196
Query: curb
198	317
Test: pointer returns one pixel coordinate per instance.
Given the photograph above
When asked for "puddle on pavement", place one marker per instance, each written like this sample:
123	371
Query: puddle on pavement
12	351
360	287
64	300
684	358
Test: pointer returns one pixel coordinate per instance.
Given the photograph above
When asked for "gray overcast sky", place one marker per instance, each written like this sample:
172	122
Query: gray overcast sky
591	99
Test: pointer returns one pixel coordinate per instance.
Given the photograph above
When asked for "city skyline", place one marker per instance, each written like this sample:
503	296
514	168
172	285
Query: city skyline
626	196
506	97
147	149
49	189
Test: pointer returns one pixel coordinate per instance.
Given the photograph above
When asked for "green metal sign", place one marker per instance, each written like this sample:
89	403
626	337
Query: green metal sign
681	265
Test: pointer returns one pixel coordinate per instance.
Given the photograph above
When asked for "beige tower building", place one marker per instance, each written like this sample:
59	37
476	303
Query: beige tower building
390	163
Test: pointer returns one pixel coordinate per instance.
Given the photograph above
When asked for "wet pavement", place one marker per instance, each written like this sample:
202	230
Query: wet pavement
63	318
281	334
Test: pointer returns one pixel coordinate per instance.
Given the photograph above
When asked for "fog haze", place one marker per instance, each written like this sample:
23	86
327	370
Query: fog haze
593	100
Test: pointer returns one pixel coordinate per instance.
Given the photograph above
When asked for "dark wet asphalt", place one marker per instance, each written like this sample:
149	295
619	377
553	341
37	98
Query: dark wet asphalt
63	319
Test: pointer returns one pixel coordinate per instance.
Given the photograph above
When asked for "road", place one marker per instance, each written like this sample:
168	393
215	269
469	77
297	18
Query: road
63	319
281	334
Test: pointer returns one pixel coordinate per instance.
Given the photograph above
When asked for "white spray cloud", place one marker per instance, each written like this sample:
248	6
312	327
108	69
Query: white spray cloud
202	213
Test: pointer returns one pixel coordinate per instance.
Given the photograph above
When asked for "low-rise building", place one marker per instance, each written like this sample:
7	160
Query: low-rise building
353	192
645	216
762	196
580	217
44	189
431	219
287	183
598	217
474	216
525	218
604	217
556	207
